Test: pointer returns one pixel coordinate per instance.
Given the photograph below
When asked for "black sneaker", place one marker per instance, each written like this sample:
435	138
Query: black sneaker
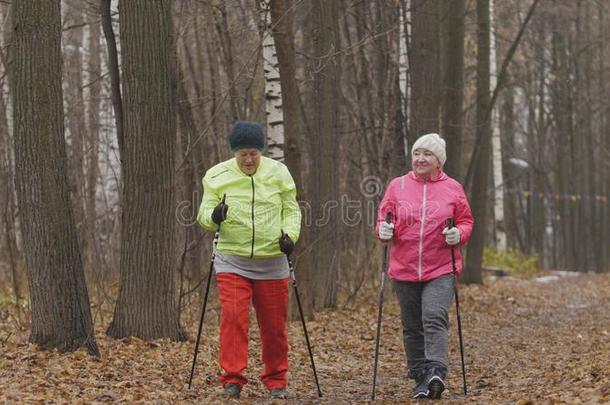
436	385
232	391
421	388
279	393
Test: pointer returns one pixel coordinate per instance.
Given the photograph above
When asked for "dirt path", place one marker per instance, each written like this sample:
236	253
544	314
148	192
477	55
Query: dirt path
526	342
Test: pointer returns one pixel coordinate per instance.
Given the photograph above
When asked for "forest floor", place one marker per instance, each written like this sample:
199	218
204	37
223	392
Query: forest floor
530	341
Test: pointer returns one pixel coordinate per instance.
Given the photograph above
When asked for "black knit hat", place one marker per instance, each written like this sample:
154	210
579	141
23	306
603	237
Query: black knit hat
245	134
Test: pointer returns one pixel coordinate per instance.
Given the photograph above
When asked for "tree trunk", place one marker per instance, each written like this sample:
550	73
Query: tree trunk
282	17
226	47
507	127
92	260
453	84
273	90
403	81
75	107
191	190
324	148
424	66
473	272
604	178
61	316
498	178
113	71
536	148
562	109
146	305
8	237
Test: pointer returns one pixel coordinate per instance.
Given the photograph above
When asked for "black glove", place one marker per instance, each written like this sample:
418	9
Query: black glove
286	244
220	213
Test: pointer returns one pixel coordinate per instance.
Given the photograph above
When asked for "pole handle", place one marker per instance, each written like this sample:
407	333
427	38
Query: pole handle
388	217
450	223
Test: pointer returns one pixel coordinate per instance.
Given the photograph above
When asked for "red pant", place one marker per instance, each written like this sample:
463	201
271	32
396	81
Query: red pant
270	300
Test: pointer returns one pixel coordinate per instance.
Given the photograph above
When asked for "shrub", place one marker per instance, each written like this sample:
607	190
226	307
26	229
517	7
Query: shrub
515	263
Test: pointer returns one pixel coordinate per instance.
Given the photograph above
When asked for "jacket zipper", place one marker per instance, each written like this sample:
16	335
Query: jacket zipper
421	233
252	249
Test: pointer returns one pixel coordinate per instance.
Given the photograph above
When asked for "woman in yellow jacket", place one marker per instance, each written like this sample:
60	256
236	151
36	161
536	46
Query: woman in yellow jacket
261	221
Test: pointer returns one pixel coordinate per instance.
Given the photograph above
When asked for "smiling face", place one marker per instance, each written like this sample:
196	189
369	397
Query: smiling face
248	160
424	164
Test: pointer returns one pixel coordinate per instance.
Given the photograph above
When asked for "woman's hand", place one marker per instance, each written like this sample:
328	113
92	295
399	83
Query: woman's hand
386	230
452	235
286	244
220	213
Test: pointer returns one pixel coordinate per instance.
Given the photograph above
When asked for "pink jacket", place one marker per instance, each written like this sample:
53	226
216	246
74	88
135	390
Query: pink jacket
420	210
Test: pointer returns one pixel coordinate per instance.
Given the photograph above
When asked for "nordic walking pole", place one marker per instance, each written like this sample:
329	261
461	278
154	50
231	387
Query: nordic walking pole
451	224
205	297
384	268
296	294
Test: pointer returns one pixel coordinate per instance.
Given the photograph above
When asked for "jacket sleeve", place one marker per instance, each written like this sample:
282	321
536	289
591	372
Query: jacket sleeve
291	213
387	204
210	200
463	217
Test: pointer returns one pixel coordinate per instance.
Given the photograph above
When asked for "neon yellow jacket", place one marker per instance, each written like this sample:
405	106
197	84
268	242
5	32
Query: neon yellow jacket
260	207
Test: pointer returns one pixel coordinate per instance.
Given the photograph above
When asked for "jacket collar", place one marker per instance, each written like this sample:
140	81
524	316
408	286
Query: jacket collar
439	177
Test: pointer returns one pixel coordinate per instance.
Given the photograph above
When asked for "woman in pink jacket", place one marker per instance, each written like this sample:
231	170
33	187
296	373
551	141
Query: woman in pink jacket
420	203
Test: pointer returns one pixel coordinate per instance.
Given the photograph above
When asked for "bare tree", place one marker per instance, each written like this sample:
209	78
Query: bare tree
92	145
424	64
61	317
452	36
146	306
324	148
479	198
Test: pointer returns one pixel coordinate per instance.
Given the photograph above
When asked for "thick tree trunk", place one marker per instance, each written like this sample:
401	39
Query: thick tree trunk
453	84
146	305
282	17
424	66
61	316
324	148
479	198
282	20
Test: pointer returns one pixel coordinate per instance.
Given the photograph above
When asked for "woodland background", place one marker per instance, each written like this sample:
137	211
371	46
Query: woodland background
110	113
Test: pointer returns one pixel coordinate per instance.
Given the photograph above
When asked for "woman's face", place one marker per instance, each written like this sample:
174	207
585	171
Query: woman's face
424	163
248	160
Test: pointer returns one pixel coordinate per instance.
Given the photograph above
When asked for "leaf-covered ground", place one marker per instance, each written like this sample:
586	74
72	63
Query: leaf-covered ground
526	342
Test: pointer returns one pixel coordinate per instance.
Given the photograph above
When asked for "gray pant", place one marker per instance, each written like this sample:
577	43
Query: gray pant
424	309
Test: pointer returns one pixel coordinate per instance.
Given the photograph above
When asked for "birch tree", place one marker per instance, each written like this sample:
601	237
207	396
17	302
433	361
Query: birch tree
496	145
273	89
403	72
